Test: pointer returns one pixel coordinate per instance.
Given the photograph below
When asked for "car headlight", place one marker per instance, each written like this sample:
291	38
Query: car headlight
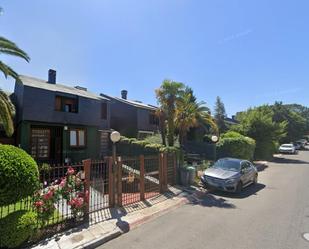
231	181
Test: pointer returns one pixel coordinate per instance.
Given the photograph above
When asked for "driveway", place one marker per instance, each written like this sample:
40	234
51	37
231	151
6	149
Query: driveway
272	214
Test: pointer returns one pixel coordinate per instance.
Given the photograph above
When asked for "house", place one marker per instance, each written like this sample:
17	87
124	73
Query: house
231	121
132	118
58	123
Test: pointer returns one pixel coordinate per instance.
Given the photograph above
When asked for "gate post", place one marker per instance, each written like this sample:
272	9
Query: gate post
161	180
175	168
142	177
87	166
165	171
119	182
111	197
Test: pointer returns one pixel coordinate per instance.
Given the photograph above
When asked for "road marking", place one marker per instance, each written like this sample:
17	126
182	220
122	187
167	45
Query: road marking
306	236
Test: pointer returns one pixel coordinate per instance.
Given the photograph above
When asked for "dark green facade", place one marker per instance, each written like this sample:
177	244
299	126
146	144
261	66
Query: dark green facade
91	149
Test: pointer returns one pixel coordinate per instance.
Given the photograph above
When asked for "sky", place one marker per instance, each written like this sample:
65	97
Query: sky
248	52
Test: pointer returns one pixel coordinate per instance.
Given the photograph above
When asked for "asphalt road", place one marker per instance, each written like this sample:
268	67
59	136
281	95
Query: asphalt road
272	214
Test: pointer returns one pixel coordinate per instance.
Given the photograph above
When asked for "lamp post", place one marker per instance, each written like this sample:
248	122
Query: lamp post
115	137
215	139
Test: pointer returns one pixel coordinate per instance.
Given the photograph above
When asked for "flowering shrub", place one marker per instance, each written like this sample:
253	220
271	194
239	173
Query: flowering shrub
44	202
70	188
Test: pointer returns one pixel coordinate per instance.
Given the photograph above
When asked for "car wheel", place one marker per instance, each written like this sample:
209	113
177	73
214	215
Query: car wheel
255	179
239	187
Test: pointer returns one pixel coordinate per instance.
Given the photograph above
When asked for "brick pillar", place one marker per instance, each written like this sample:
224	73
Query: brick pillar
161	175
119	182
111	197
87	168
142	177
165	172
175	168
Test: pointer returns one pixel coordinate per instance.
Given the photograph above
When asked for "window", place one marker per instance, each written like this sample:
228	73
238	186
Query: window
153	119
104	110
65	104
77	138
40	141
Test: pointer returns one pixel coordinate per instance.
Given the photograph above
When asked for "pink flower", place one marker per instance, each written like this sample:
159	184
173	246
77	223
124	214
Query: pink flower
38	204
48	195
63	182
71	171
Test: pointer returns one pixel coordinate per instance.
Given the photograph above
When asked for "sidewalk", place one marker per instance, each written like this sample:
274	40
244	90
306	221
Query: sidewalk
108	224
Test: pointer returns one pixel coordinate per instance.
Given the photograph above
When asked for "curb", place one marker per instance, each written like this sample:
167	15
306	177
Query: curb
100	241
143	220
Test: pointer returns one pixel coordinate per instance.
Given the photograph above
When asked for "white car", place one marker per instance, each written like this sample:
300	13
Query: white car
287	148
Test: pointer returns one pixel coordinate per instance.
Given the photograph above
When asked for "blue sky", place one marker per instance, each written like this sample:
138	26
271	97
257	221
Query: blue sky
247	52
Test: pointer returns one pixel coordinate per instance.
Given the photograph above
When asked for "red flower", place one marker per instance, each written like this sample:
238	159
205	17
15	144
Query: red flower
71	171
38	204
63	182
48	195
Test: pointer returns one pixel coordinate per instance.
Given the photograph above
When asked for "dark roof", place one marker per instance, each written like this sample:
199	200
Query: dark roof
42	84
132	102
231	120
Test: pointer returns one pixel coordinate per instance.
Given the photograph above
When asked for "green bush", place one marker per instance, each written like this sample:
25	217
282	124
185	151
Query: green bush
16	228
233	144
134	147
19	175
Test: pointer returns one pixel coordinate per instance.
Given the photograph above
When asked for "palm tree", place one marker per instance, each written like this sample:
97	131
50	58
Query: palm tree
190	114
10	48
160	113
7	109
7	112
167	95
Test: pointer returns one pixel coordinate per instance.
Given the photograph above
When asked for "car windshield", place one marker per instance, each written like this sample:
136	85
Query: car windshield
227	165
287	145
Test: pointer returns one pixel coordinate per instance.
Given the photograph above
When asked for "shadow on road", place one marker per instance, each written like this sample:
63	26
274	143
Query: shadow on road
248	191
261	167
285	160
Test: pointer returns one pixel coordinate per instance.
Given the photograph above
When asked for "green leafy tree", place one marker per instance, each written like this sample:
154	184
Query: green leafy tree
220	115
296	124
167	95
258	124
190	114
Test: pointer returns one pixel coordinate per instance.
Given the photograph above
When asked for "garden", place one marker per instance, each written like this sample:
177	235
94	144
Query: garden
35	203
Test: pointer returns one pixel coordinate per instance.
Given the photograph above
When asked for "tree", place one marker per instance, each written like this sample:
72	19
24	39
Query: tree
296	123
220	115
190	114
162	124
258	124
167	95
10	48
7	112
7	109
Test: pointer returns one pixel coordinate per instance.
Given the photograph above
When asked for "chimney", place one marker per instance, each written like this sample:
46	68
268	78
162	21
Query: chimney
51	76
124	94
81	88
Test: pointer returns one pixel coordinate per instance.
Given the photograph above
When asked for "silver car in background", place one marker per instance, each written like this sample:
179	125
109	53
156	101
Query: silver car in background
230	174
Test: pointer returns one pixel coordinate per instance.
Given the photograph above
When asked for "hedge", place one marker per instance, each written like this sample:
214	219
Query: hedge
19	175
134	147
16	228
233	144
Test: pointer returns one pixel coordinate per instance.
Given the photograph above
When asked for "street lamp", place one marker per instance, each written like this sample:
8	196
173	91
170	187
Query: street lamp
115	137
215	139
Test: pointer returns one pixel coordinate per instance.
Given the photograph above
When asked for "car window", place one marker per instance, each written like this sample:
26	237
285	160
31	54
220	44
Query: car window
245	165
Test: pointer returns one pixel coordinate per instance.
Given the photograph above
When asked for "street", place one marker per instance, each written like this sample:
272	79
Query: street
272	214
